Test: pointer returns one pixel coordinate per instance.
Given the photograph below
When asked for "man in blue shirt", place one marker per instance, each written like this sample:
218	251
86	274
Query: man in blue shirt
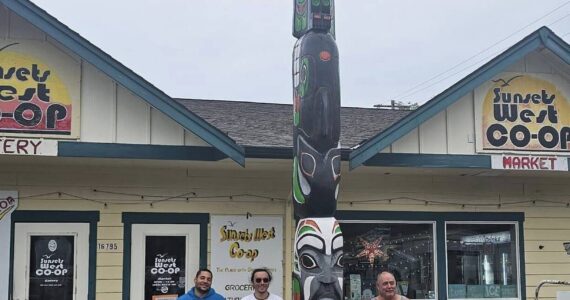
202	287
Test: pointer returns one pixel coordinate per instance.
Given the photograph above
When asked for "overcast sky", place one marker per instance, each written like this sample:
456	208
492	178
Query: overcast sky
241	49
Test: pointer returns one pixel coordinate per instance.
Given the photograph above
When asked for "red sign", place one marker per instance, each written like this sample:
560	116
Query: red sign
529	162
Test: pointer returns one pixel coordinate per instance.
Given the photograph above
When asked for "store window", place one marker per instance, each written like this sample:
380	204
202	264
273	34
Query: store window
434	255
482	260
405	249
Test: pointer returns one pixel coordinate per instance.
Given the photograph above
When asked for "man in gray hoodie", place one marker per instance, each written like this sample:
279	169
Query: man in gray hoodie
202	287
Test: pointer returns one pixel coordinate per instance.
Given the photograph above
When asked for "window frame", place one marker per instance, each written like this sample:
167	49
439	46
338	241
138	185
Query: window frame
518	254
440	219
434	243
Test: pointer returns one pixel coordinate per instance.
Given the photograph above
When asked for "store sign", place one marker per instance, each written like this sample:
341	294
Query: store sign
165	267
51	267
24	146
523	112
529	162
8	204
241	244
38	95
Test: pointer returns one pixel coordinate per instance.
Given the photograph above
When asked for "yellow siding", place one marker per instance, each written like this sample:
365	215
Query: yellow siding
120	187
109	296
109	272
109	286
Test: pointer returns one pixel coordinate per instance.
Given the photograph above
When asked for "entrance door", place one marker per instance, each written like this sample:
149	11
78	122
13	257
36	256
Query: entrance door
51	261
164	258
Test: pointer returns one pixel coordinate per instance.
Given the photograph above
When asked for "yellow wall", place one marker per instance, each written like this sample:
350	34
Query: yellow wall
546	224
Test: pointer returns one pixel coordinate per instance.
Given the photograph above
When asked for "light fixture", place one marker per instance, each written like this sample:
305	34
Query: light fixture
567	247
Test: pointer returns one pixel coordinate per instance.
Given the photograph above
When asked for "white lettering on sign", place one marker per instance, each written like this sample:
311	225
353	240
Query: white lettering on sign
529	162
19	146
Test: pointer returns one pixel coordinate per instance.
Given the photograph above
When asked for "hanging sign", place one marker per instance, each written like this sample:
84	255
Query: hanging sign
523	112
241	244
39	90
165	272
51	267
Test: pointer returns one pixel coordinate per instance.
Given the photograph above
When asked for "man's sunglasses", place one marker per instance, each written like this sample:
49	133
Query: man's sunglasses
259	280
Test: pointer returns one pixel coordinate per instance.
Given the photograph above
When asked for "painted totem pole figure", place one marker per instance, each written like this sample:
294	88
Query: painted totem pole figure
317	272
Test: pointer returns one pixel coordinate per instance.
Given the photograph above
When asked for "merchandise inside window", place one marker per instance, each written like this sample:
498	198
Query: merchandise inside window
481	260
404	249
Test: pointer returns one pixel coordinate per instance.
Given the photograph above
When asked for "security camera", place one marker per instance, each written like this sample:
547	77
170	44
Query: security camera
567	247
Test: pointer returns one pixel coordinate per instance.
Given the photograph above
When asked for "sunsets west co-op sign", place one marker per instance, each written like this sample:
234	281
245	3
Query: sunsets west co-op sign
524	119
39	91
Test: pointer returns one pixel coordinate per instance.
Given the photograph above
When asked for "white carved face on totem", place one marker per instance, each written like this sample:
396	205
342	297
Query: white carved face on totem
318	258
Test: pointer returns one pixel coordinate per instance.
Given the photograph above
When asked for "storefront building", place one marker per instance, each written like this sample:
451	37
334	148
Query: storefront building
111	189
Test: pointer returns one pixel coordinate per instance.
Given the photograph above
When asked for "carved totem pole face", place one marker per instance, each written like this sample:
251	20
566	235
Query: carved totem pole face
318	272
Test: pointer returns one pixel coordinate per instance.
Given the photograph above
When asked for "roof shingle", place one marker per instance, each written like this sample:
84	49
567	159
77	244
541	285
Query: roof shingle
271	125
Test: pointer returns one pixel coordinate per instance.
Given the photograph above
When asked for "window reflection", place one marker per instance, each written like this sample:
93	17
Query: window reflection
405	249
481	261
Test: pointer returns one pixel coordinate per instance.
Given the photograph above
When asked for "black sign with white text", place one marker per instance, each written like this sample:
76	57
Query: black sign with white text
51	267
165	261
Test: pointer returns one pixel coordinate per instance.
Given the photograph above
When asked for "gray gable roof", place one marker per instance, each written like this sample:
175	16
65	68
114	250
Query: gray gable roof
271	125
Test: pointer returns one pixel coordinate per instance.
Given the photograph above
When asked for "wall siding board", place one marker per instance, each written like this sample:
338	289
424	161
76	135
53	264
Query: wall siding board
63	49
546	234
190	139
408	143
109	296
547	223
535	63
22	29
547	269
109	233
460	129
163	130
109	272
110	219
546	257
98	97
518	66
133	118
433	134
109	286
548	246
109	259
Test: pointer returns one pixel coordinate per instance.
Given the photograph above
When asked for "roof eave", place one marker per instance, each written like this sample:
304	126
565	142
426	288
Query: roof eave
542	37
126	77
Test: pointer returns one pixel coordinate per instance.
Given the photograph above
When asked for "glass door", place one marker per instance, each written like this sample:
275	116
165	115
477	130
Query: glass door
164	258
51	261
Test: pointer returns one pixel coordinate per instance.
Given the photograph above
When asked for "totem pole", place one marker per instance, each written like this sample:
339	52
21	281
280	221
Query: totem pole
317	270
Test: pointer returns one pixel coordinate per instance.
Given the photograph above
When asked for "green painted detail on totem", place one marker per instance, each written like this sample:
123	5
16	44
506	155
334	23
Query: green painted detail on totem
337	230
296	286
304	84
298	195
326	2
296	118
316	2
300	23
305	229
